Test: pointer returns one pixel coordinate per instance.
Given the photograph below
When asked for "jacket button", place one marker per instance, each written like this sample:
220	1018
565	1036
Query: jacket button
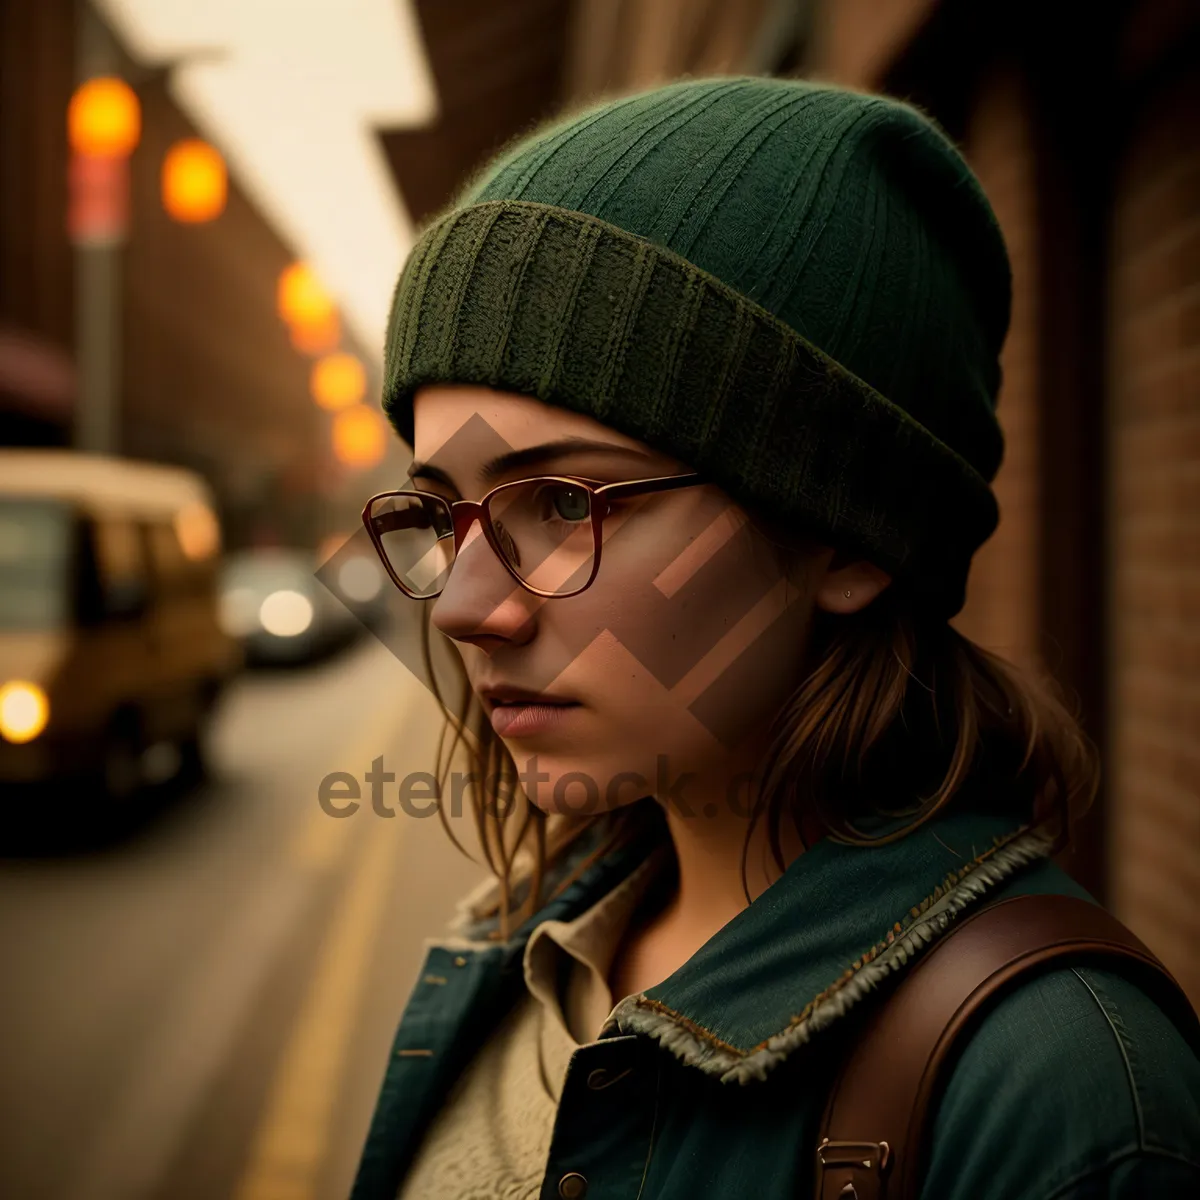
572	1186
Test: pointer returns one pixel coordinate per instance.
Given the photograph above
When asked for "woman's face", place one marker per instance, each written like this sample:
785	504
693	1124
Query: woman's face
676	658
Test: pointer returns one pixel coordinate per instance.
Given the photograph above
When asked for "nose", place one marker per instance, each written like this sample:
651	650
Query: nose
481	604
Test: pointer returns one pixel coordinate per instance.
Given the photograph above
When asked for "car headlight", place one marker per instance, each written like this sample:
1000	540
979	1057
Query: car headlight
24	710
286	613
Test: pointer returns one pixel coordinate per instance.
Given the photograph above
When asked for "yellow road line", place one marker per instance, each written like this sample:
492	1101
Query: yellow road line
322	840
290	1147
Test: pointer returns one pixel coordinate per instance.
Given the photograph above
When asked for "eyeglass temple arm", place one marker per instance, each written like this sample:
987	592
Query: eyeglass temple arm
638	487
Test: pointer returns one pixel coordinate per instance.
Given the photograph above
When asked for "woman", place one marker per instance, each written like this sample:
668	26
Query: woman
701	387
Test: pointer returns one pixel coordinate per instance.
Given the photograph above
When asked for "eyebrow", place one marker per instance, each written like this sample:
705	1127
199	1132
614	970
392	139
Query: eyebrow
531	456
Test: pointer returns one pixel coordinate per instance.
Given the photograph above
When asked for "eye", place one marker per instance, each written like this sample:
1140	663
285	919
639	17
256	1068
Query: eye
566	502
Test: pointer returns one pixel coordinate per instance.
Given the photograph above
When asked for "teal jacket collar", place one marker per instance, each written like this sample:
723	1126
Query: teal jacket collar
808	949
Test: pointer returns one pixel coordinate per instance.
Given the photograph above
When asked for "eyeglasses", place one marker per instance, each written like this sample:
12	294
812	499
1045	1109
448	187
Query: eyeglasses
546	530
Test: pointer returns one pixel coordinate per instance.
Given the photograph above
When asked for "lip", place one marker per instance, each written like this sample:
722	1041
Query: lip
519	712
529	720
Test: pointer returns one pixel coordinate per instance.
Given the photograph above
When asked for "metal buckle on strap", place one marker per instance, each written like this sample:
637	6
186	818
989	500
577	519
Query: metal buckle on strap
867	1155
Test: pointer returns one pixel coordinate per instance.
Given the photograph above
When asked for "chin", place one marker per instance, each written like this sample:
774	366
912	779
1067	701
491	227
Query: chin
575	787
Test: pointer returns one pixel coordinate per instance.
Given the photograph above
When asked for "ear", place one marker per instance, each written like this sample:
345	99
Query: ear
863	580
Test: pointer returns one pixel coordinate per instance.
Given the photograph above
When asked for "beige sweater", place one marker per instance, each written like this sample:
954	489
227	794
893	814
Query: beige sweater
491	1139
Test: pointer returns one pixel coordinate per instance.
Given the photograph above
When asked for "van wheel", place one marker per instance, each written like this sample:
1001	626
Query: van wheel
121	765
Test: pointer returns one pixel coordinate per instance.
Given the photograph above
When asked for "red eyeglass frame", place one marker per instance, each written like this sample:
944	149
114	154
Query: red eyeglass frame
464	513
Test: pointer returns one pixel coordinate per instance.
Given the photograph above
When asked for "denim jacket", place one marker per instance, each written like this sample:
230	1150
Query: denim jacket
712	1082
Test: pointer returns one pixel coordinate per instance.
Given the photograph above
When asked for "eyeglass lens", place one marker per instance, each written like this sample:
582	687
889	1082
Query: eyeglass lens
543	527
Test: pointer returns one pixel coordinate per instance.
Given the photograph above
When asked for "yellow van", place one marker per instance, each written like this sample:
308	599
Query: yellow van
111	652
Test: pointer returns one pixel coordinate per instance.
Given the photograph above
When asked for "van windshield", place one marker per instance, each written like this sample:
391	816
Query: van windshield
35	575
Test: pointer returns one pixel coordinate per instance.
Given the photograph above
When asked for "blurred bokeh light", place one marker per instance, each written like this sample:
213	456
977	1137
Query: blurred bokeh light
317	336
104	118
195	183
302	298
359	436
338	381
24	710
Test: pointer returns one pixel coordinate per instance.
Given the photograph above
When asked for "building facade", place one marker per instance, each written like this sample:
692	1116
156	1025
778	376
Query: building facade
1083	133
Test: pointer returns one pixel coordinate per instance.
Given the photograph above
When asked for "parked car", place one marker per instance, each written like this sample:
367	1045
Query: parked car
286	607
111	652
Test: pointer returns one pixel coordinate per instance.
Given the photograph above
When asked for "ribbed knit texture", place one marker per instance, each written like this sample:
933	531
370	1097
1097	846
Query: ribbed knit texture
799	290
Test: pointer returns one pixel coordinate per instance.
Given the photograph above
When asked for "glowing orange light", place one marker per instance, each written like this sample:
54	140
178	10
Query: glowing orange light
317	337
359	436
195	183
104	118
301	298
338	381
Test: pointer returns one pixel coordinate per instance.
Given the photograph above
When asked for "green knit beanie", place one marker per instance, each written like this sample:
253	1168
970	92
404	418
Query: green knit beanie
798	290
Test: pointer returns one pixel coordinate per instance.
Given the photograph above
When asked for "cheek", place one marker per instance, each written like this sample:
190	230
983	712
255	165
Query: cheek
676	704
720	648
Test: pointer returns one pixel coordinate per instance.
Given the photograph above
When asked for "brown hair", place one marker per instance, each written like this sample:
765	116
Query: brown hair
890	704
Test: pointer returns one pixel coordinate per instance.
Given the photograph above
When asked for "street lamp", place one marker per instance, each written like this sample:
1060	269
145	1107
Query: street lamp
104	126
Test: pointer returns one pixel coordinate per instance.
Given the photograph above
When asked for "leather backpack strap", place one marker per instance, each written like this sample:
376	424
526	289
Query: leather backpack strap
870	1142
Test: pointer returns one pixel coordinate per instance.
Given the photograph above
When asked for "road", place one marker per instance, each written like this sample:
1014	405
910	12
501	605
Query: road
204	1009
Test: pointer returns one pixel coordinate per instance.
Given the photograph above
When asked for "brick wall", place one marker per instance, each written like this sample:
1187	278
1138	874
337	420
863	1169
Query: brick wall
1012	102
1001	612
862	44
1154	439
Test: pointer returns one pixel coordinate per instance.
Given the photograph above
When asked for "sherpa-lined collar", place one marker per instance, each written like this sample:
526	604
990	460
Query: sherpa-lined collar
818	940
807	950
